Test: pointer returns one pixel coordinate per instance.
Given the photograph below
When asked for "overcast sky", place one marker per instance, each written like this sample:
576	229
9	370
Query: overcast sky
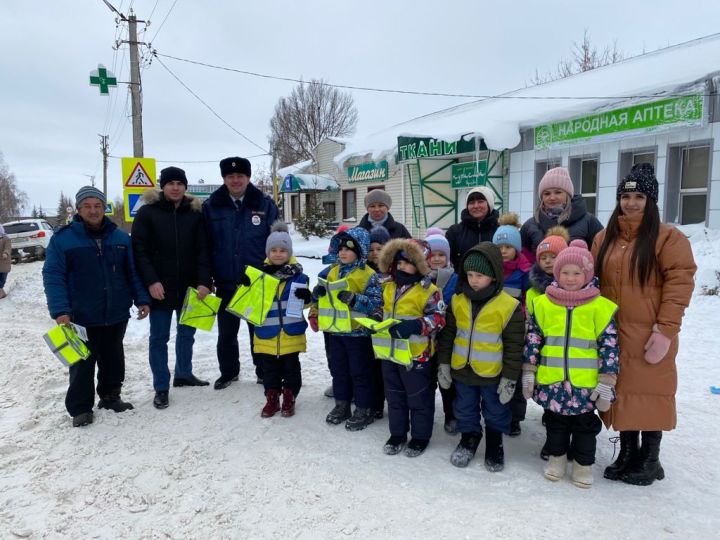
51	116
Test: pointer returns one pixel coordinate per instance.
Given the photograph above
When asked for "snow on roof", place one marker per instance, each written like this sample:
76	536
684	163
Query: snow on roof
295	168
309	182
678	69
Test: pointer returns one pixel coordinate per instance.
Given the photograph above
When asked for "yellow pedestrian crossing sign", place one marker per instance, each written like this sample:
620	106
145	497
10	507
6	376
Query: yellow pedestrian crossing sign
138	172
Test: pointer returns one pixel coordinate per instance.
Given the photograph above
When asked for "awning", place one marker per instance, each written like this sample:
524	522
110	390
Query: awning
309	183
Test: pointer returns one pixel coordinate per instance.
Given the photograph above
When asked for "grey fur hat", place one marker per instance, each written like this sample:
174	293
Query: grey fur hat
279	238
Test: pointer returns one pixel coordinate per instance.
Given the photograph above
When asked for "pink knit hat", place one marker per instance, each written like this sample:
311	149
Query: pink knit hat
558	177
577	253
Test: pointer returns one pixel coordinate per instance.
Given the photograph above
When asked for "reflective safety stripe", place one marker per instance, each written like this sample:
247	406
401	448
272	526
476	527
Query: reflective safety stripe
559	341
333	315
66	345
513	291
573	363
481	336
329	312
254	301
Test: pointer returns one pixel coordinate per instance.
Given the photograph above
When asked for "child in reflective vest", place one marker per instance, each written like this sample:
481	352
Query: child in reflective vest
571	362
515	270
411	298
349	289
281	338
444	277
480	352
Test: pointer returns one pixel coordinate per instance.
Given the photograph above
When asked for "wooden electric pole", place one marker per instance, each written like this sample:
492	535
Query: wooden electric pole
104	150
135	87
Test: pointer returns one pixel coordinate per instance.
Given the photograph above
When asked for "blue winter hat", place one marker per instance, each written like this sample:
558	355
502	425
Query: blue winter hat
379	235
508	234
87	192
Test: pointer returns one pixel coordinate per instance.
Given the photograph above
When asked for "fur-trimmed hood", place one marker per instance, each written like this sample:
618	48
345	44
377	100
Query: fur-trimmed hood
386	260
155	196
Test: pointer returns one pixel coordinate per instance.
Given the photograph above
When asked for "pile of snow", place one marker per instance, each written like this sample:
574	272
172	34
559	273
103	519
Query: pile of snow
210	467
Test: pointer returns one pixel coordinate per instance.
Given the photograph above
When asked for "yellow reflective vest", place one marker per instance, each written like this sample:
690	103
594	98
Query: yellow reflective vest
409	305
531	294
66	345
479	342
570	349
333	315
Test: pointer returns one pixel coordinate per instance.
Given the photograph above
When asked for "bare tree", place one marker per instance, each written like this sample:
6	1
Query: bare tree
12	199
310	113
584	56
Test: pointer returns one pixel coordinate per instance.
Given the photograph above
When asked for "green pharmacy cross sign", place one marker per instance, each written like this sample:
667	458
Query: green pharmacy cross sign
103	78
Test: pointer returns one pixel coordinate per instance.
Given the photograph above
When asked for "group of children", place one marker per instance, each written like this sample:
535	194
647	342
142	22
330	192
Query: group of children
492	333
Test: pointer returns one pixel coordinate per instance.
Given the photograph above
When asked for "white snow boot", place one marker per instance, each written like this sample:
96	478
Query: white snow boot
582	475
556	467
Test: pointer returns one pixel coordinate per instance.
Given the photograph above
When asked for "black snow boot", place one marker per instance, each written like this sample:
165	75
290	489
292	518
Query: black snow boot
360	419
494	453
465	451
628	456
113	402
160	401
648	468
83	419
394	444
340	413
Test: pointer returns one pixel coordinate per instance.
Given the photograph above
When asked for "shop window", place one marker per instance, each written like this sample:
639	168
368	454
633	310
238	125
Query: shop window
633	157
584	173
329	209
371	188
695	172
294	207
349	204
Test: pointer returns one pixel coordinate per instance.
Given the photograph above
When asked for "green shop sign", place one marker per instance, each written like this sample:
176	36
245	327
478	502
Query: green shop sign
368	172
672	112
467	175
415	148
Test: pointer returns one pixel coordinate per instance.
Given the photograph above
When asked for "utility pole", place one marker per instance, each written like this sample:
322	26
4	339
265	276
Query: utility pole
104	150
135	87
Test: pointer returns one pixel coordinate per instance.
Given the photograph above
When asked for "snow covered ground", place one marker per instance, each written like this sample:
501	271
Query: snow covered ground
210	467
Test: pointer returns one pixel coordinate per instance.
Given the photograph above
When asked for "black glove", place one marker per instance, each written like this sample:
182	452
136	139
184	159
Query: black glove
347	297
319	291
405	329
244	280
303	294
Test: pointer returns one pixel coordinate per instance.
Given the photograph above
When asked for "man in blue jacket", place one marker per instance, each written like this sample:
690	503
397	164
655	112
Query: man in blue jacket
238	217
90	279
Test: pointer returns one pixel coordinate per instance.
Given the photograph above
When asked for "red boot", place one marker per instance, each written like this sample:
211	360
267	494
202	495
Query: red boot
273	403
288	404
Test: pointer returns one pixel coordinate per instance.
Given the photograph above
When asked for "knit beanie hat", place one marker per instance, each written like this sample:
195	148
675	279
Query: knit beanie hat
170	174
434	230
378	196
555	241
279	238
481	192
641	180
439	243
236	165
87	192
577	253
477	262
558	177
379	235
508	232
347	241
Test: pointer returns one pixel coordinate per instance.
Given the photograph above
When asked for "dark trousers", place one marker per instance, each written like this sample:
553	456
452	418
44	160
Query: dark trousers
518	403
281	371
378	386
410	395
228	352
474	402
351	367
572	432
106	350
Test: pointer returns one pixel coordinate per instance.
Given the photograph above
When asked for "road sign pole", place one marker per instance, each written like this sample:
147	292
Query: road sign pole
135	88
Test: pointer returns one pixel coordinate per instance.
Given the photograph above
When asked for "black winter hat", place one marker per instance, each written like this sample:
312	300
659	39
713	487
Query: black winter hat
642	180
237	165
170	174
347	241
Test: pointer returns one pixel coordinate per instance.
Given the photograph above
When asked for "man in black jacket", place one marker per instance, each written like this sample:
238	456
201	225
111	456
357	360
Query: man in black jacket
378	203
170	246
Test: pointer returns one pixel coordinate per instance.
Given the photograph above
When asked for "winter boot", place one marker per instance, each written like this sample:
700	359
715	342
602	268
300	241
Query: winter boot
288	403
628	456
3	294
648	468
494	452
340	413
394	444
465	451
515	429
113	402
273	403
329	392
361	418
416	447
556	468
582	475
450	426
83	419
161	400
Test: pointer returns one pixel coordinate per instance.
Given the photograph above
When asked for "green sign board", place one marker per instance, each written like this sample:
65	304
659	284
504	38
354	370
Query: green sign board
467	175
410	148
368	172
671	112
103	79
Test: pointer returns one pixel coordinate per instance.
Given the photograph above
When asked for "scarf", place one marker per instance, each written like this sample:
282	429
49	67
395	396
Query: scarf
381	222
519	262
283	272
539	279
403	278
573	298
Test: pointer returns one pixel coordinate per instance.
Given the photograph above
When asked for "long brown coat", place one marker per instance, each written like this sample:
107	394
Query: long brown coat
5	252
646	392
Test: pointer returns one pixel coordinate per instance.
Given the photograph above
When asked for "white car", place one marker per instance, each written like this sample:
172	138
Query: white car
29	238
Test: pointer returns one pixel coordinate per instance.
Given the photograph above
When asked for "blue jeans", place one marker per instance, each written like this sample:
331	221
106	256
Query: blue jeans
160	320
471	400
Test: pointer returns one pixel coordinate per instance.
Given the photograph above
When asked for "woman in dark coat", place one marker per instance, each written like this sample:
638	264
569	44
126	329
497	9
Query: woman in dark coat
478	223
558	205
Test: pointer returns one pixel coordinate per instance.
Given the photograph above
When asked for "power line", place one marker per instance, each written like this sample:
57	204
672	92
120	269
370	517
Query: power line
209	107
163	21
192	161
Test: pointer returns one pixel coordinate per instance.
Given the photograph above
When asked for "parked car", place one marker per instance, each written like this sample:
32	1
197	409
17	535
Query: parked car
29	238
